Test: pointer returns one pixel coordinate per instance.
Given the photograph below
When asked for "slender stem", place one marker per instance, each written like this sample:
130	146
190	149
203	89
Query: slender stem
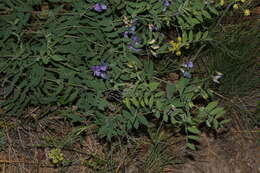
224	14
198	52
156	78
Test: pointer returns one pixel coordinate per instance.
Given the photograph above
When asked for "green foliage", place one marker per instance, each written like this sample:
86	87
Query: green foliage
192	13
157	158
235	54
56	156
47	51
99	165
2	141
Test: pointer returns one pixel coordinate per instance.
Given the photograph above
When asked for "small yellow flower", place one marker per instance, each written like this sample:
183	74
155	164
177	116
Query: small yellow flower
174	46
235	6
178	53
171	49
179	39
177	46
187	46
246	12
243	1
222	2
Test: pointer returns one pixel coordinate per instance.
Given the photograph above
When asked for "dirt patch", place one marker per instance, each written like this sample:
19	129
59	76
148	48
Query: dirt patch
230	153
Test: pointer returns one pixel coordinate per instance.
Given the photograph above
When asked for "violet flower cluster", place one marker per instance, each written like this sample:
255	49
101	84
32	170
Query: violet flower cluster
131	29
166	4
188	65
131	33
100	70
134	41
99	7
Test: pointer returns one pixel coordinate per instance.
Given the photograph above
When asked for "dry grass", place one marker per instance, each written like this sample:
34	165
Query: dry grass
27	148
233	151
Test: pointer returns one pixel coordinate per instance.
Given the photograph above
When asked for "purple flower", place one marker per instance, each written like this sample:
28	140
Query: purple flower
131	33
187	74
103	67
132	28
99	7
126	34
135	40
99	70
166	4
188	64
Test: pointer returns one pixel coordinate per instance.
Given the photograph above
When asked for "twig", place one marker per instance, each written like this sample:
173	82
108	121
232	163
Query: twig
20	138
197	53
223	97
161	80
224	14
247	131
15	161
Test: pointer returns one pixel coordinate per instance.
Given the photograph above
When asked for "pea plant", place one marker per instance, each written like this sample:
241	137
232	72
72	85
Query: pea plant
97	57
